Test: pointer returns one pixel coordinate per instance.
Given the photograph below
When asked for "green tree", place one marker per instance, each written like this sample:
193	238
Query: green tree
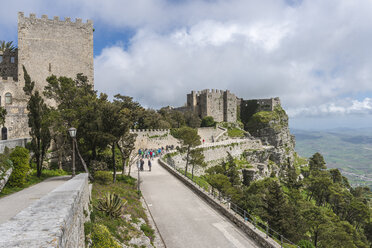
275	205
77	106
20	158
38	121
189	139
318	186
208	121
192	119
316	162
126	146
115	125
196	160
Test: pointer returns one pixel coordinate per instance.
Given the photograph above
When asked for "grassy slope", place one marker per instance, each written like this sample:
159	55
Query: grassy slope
349	150
122	229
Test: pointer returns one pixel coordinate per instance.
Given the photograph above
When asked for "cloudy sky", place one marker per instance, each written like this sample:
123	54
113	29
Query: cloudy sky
316	55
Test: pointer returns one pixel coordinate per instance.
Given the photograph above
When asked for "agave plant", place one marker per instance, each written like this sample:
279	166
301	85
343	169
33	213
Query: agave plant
111	204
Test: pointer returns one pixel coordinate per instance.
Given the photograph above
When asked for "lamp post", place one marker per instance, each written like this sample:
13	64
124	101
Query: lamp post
72	132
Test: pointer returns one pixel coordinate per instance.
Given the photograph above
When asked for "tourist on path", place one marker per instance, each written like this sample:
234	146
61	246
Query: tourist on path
142	163
149	164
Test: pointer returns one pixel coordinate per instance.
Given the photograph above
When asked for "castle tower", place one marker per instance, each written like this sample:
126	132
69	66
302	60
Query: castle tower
58	47
45	47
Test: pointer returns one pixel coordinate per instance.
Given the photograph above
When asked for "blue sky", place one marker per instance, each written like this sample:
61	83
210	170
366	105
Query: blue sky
314	54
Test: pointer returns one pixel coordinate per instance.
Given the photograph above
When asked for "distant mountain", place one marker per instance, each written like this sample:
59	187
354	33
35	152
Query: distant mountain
350	150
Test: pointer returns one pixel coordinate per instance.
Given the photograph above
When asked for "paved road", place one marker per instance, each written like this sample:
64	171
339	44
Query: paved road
183	219
13	204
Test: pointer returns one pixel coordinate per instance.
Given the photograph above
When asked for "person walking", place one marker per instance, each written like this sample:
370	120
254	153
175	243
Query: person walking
149	164
142	163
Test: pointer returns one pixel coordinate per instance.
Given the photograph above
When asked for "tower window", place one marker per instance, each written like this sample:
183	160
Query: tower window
12	60
1	58
8	98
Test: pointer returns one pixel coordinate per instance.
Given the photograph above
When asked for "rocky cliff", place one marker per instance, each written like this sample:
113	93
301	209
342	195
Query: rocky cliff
271	127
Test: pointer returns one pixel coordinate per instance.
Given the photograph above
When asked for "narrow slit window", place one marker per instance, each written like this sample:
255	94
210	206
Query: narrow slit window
50	67
1	58
12	60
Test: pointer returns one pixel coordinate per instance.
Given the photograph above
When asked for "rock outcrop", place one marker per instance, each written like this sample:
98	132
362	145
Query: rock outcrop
271	127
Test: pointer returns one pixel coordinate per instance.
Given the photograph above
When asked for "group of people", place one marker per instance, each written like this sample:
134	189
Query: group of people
141	163
150	154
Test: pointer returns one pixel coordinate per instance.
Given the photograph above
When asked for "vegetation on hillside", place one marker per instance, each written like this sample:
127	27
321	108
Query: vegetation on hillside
276	119
321	208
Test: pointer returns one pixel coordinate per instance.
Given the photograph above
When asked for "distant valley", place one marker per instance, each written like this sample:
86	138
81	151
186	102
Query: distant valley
350	150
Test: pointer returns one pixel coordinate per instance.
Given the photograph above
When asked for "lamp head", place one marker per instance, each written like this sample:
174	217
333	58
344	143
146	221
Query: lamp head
72	132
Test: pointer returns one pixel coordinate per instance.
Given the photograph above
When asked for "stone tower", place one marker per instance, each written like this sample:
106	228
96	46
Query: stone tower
58	47
221	105
45	47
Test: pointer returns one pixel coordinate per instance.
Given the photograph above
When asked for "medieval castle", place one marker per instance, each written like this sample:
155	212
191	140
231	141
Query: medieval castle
45	47
64	48
225	106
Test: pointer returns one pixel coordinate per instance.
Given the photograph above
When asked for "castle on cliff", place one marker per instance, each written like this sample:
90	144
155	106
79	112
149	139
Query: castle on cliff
225	106
45	47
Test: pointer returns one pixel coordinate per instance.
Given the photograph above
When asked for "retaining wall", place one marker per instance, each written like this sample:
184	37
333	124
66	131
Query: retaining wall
56	220
249	229
12	143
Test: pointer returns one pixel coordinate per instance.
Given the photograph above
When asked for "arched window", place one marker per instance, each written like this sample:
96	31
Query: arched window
8	98
4	133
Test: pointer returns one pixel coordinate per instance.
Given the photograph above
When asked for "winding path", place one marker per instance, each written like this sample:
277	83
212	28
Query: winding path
13	204
183	219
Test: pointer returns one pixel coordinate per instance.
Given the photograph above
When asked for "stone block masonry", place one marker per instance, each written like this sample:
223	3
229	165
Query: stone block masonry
56	220
13	143
45	47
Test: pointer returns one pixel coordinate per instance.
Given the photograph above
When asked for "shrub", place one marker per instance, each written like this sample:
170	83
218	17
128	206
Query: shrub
98	165
148	231
101	237
208	121
305	244
20	157
103	177
127	179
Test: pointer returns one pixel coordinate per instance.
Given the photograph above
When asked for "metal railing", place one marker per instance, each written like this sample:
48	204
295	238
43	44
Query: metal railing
247	217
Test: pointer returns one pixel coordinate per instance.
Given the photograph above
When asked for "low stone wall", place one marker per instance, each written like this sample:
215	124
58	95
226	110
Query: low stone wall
12	143
56	220
217	152
249	229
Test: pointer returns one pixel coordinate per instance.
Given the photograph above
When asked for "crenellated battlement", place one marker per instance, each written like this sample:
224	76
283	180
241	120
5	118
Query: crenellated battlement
8	79
55	20
148	130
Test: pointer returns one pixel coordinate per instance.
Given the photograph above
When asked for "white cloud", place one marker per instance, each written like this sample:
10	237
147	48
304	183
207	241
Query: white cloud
343	107
314	54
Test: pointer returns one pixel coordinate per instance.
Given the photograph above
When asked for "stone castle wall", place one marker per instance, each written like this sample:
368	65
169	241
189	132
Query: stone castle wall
45	47
58	47
153	138
221	105
9	64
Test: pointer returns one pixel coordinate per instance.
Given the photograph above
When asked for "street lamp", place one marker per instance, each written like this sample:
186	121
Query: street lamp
72	132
